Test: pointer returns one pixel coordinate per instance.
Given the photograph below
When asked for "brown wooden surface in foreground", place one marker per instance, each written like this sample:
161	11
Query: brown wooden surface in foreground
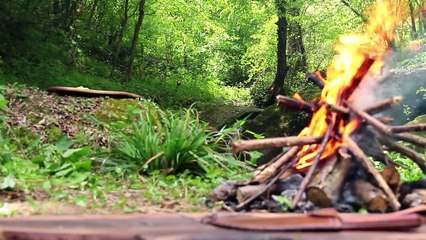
166	226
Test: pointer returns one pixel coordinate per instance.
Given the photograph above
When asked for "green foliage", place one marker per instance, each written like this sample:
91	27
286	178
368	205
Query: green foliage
410	171
171	142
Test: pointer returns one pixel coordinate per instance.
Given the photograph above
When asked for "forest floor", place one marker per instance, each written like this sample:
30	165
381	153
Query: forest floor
36	120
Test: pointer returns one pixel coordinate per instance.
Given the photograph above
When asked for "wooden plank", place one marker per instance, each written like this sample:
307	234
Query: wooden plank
163	226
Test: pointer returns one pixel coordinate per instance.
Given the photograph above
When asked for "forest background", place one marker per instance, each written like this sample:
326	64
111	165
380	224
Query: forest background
180	52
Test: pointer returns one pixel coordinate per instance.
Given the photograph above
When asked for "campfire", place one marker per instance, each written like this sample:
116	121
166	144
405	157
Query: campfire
329	163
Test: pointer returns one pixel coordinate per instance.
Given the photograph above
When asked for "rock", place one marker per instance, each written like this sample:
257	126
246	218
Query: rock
277	122
418	120
220	115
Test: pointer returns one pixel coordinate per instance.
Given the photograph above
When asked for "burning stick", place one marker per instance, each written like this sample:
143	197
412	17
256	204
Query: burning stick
337	109
270	170
295	104
313	167
370	120
315	80
409	128
383	105
356	79
353	147
278	142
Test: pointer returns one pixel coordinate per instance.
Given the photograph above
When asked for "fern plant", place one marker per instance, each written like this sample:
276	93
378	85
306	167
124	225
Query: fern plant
171	142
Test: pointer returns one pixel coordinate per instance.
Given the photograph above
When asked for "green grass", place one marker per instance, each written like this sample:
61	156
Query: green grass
153	159
117	177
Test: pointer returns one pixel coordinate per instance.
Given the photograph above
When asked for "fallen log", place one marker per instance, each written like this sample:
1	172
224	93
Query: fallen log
86	92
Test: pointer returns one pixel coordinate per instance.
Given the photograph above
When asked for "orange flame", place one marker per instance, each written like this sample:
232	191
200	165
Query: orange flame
358	55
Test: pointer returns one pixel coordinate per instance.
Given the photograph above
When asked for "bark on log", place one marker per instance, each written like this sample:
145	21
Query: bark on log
353	147
411	138
272	169
415	198
267	143
315	80
326	186
374	122
383	105
371	198
246	192
392	177
409	128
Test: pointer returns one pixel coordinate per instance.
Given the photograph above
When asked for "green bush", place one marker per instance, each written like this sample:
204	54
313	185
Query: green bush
171	142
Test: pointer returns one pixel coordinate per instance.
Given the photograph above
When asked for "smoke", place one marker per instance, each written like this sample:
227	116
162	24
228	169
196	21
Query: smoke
404	74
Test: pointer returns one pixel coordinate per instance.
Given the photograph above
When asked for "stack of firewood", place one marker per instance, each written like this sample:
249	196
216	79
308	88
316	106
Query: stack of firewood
346	180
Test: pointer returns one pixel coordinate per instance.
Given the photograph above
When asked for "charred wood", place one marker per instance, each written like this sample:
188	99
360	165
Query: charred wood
371	198
315	80
359	154
265	187
326	186
313	167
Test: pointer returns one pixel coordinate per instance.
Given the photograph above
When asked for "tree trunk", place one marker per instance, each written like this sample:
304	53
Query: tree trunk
354	10
135	38
117	46
296	48
92	13
413	21
282	67
422	9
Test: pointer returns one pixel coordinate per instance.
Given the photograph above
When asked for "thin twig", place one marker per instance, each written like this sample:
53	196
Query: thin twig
411	138
383	105
418	158
271	170
313	167
152	159
338	109
374	122
267	186
409	128
359	154
289	102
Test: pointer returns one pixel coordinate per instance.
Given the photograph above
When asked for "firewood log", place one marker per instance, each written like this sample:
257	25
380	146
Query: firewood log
326	186
371	198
